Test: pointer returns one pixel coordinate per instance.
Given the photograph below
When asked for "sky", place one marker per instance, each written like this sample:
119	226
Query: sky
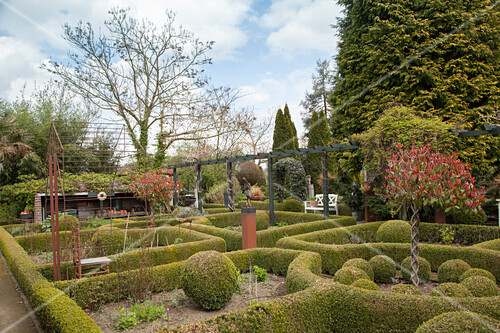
267	49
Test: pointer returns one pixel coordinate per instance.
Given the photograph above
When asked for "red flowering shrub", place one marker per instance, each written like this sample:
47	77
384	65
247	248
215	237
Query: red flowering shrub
419	177
155	187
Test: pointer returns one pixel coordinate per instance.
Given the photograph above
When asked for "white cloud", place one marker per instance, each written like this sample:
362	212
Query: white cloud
299	26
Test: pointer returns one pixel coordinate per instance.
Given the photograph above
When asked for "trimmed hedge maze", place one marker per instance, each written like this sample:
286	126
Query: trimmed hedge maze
301	251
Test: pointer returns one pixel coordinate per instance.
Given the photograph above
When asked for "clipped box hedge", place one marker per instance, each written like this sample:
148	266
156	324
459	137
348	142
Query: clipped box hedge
334	256
301	268
333	307
195	242
463	233
55	311
489	245
223	220
269	237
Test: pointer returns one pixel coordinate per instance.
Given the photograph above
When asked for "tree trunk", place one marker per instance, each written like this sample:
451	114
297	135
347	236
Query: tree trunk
414	249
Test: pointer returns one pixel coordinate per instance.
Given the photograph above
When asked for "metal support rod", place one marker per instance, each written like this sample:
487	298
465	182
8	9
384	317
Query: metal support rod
198	187
176	195
326	208
54	211
230	188
270	190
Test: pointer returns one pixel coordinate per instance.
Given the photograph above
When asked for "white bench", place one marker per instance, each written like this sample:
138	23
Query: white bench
332	204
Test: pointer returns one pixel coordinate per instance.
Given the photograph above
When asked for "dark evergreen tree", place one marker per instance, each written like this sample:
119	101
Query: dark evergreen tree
436	56
317	99
293	130
319	135
281	134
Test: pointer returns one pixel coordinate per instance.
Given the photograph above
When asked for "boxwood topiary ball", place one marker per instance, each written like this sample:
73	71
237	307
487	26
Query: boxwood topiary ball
395	231
451	289
292	205
360	263
405	289
384	268
366	284
209	278
451	270
477	272
480	286
424	269
347	275
460	322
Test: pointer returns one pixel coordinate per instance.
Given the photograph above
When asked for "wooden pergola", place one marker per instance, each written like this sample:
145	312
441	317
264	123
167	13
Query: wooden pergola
323	150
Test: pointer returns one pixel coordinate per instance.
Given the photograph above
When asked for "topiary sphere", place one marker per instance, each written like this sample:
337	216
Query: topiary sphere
424	269
477	272
405	289
384	268
347	275
460	322
451	270
360	263
451	289
209	278
250	171
480	286
366	284
395	231
292	205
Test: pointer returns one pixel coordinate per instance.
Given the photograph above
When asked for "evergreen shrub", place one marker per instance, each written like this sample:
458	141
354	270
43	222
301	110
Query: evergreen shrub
477	272
347	275
405	289
424	269
480	286
451	270
384	268
394	231
460	322
360	263
366	284
451	289
292	205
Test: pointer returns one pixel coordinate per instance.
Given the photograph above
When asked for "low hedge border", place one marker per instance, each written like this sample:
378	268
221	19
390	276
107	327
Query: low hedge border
301	268
334	256
223	220
212	211
55	310
157	255
332	307
269	237
464	234
489	245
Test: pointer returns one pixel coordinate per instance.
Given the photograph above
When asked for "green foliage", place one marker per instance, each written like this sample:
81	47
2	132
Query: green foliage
319	135
292	205
384	268
366	284
463	234
480	286
451	289
395	231
378	207
184	212
451	270
460	322
424	269
405	289
289	180
282	135
464	217
126	320
360	263
476	272
352	196
447	235
347	275
402	125
178	240
491	245
138	313
260	273
291	125
216	192
455	79
209	279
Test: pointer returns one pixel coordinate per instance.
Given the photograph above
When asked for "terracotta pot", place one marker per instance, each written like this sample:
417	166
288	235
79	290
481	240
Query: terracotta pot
368	186
256	198
313	203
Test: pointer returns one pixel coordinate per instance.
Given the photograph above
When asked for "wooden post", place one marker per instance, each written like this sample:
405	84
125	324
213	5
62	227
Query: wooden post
198	186
324	163
54	212
176	196
248	227
270	190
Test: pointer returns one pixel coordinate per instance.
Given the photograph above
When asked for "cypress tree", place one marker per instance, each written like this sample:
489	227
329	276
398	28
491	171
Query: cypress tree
319	135
456	78
281	131
293	130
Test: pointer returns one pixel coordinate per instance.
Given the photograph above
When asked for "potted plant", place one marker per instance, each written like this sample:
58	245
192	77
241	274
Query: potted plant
313	202
257	193
352	197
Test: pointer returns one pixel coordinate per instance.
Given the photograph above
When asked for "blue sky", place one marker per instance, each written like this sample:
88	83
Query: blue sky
268	49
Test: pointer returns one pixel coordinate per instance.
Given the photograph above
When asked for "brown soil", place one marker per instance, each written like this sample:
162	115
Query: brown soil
180	310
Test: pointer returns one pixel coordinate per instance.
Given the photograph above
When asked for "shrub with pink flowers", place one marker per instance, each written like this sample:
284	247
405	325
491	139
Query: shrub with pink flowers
155	187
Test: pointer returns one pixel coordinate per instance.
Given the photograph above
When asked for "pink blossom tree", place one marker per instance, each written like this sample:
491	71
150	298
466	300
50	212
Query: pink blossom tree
418	177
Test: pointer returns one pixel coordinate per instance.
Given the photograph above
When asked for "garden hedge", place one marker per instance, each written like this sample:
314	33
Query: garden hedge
464	234
334	256
301	268
332	307
269	237
194	243
489	245
55	311
223	220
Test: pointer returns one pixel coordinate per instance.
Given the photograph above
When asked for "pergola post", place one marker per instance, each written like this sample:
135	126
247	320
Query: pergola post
176	195
54	212
324	160
270	190
230	187
198	187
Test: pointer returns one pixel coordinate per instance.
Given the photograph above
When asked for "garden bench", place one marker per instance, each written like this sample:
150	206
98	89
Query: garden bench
100	264
332	204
